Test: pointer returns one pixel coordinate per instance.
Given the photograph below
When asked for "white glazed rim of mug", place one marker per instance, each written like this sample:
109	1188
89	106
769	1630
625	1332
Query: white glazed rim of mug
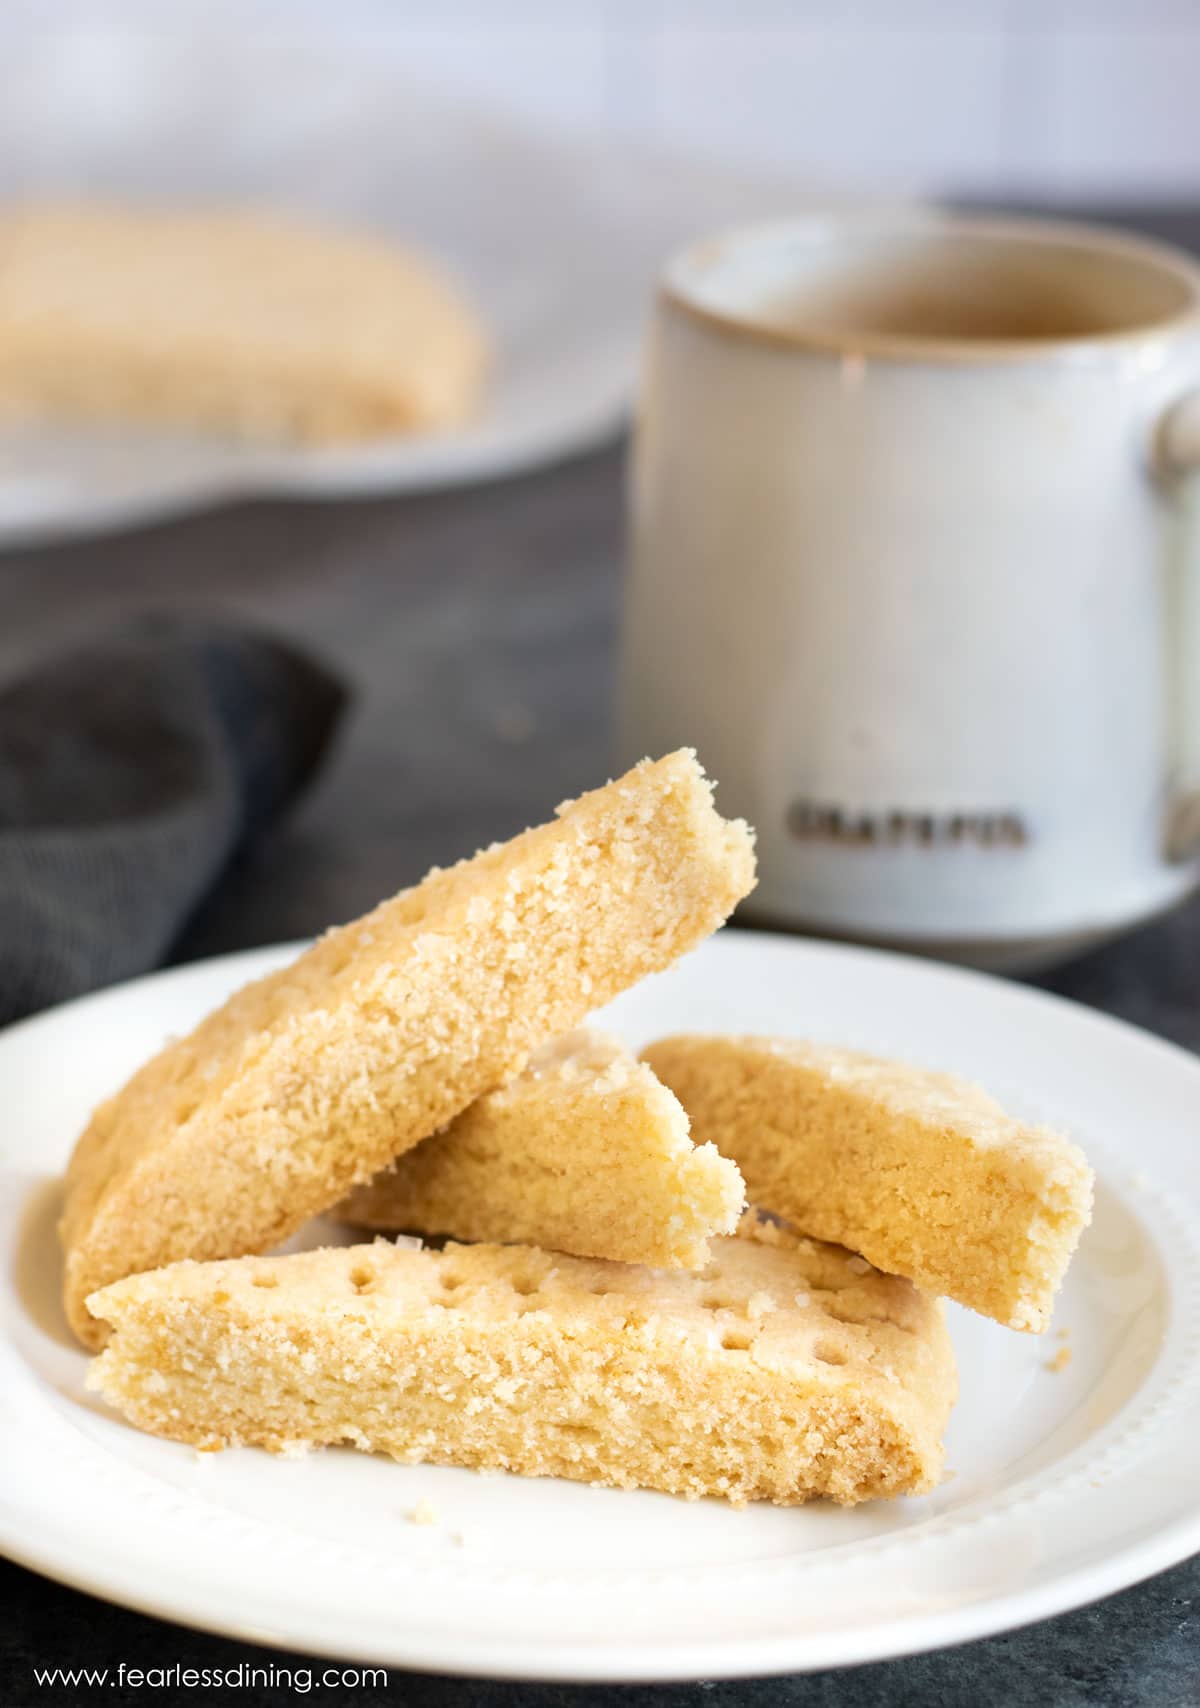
683	278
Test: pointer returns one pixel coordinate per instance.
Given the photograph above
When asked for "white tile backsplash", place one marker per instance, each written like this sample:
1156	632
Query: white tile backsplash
991	96
1126	109
883	104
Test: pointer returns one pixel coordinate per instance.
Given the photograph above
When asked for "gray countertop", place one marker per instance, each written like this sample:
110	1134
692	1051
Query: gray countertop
479	630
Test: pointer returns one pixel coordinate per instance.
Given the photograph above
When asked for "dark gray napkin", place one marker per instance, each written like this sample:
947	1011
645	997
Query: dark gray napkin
131	770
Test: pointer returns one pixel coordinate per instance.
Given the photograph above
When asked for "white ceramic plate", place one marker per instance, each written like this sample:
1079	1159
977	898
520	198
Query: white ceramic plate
1065	1485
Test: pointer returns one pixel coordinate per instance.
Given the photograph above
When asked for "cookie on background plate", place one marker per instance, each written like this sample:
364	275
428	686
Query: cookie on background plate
231	321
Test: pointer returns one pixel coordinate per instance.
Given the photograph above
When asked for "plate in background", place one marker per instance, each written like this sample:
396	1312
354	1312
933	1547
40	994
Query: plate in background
557	239
1065	1484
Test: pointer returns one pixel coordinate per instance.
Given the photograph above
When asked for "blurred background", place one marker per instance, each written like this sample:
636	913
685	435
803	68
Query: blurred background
467	591
1068	98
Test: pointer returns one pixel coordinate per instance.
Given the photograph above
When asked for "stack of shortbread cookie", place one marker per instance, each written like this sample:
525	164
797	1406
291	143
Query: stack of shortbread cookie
622	1319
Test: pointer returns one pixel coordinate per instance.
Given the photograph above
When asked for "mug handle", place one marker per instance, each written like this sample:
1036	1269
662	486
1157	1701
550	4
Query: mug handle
1176	457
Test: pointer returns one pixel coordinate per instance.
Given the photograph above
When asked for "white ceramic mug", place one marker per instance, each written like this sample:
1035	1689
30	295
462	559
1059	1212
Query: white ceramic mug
913	529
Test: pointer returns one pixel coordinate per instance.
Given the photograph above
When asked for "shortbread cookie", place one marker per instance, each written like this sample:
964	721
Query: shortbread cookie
784	1371
922	1173
313	1079
228	321
585	1152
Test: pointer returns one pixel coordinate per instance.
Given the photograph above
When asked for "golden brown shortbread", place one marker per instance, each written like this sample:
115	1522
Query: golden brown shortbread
231	321
787	1370
922	1173
585	1152
310	1080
